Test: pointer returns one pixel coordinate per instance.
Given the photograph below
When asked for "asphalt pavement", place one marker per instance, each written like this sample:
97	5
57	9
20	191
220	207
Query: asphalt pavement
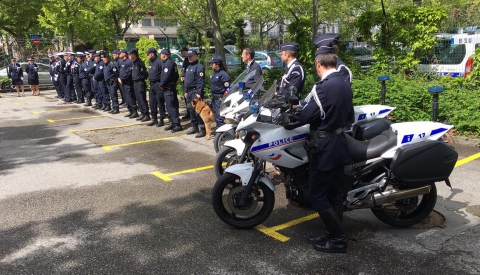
84	192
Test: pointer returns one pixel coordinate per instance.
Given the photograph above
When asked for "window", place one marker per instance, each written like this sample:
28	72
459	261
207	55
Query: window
147	22
157	22
260	57
445	53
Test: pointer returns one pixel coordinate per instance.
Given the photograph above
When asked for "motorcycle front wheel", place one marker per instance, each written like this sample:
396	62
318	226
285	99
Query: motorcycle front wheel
226	195
407	212
227	156
220	139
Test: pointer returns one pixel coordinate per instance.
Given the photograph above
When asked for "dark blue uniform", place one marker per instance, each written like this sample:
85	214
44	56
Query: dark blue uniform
253	66
110	74
327	117
118	62
15	73
219	82
92	68
125	74
139	74
155	95
69	89
102	87
344	71
293	76
193	84
78	82
32	73
84	76
168	86
54	76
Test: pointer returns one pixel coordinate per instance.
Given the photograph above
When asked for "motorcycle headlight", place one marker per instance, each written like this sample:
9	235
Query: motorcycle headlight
242	134
249	136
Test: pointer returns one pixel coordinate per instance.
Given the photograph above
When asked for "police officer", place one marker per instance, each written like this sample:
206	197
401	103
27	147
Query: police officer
183	53
155	95
117	61
84	76
51	71
248	55
125	81
294	75
168	85
219	83
110	74
92	69
15	74
69	89
99	77
32	71
327	112
62	77
76	78
139	74
341	66
194	82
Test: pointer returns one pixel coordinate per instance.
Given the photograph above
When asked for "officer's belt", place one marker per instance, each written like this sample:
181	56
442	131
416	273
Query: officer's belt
216	96
154	82
326	134
139	80
191	89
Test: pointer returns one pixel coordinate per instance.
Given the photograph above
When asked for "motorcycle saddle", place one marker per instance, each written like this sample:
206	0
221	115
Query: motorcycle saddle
373	148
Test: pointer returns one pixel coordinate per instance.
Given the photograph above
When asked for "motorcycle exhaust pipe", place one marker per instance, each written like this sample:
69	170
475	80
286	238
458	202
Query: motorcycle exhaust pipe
391	196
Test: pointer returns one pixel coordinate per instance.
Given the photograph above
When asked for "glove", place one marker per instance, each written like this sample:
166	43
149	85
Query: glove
10	79
21	78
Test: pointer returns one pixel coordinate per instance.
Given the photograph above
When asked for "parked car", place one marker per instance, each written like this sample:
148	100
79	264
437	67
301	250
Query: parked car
233	62
363	56
43	75
268	60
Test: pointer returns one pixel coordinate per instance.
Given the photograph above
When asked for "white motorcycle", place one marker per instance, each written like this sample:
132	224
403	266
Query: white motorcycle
393	174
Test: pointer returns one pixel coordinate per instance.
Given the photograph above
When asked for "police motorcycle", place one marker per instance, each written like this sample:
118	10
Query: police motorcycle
369	121
393	174
233	106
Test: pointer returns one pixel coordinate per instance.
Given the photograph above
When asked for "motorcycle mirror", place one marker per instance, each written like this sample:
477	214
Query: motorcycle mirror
293	99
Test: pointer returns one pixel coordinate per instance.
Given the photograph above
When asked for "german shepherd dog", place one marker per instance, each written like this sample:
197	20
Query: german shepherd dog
205	113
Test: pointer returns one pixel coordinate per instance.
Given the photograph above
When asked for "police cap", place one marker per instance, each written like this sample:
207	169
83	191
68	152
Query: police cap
216	59
184	49
324	43
165	51
96	55
319	39
106	55
50	55
115	52
91	51
80	54
192	52
133	51
151	50
124	51
30	58
289	46
13	58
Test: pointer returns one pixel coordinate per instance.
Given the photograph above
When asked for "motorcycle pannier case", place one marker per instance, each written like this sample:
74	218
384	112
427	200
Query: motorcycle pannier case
370	129
424	162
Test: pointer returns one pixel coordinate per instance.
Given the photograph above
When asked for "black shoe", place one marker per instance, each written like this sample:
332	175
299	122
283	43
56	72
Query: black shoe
80	102
192	131
97	106
121	103
134	114
103	108
336	240
115	111
317	239
160	123
130	113
169	127
177	128
146	118
109	108
200	134
141	117
153	122
89	103
187	116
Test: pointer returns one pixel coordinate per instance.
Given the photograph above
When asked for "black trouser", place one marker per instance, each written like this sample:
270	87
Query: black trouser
216	102
56	85
78	87
129	95
195	118
156	100
97	93
69	92
62	79
102	90
122	92
172	104
87	88
140	88
112	90
325	187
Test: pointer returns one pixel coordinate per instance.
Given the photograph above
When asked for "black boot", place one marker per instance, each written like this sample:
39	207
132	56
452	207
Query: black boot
192	131
201	133
98	106
115	111
89	103
322	238
169	127
336	239
141	117
146	118
186	116
130	113
108	109
103	108
134	114
160	123
153	122
177	128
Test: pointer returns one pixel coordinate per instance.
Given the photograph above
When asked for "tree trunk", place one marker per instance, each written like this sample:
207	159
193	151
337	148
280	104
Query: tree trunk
315	18
417	3
217	31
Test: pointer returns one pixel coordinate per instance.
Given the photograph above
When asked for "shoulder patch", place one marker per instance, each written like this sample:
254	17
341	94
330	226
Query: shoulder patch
165	70
200	74
114	69
226	84
101	67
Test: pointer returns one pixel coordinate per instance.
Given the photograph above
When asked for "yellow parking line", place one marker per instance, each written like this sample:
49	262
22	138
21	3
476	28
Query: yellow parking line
109	147
75	118
166	177
467	159
110	127
33	102
272	231
54	111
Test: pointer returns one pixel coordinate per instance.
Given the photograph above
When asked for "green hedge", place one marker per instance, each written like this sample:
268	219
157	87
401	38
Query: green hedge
409	94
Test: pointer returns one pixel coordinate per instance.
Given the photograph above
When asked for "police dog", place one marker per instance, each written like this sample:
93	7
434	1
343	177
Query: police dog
204	111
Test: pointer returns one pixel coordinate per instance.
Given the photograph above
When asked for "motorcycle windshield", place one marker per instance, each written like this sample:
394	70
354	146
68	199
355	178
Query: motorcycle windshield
267	97
236	93
243	77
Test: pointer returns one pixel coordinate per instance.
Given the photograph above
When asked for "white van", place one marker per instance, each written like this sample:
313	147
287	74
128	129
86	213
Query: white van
452	56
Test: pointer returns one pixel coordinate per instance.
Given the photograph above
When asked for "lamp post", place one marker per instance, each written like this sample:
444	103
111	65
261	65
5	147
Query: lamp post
166	37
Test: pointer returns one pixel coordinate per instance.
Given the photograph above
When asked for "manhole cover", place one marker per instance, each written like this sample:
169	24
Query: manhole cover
435	219
474	210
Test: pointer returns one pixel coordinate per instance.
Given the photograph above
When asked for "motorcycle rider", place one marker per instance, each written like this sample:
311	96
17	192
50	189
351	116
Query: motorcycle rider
328	111
294	74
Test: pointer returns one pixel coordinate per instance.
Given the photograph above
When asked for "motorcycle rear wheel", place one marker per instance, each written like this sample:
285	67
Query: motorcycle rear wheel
407	212
220	139
226	195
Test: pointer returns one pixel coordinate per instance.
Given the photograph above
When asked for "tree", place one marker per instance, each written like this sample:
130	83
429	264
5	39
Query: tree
143	45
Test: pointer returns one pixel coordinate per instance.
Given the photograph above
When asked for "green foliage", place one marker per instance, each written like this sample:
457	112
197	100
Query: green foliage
413	102
122	45
473	79
142	45
300	31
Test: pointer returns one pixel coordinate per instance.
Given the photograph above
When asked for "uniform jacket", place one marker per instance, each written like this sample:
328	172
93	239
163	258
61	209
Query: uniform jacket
98	75
139	71
293	76
155	69
219	82
15	72
195	78
32	71
169	75
258	73
125	70
110	71
84	70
